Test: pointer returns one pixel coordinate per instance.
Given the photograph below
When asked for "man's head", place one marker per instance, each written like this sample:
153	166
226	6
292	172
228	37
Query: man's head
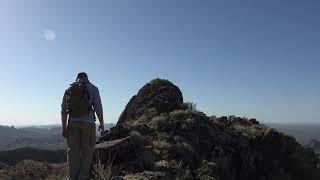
82	77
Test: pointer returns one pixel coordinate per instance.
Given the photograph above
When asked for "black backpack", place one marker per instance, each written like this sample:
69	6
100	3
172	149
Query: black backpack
78	100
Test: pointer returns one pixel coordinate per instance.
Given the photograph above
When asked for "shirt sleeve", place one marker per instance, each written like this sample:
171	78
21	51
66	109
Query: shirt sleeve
97	105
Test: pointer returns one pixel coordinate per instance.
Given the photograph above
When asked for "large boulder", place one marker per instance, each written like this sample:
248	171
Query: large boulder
159	94
156	97
129	153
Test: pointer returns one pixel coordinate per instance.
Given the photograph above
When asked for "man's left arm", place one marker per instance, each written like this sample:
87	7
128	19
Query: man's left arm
97	105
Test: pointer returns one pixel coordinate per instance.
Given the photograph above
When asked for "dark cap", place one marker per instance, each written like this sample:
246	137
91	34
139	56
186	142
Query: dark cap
82	75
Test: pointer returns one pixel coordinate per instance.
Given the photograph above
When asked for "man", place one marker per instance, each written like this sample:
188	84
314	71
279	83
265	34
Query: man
80	104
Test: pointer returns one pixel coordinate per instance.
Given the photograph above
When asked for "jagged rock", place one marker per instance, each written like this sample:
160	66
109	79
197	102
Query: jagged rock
129	153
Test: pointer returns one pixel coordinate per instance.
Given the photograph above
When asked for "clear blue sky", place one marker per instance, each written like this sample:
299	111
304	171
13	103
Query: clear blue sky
246	58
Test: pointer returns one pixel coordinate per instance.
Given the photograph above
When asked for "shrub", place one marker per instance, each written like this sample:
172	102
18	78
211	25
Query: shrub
136	138
162	163
163	136
179	115
159	82
159	122
206	172
104	171
101	171
189	106
150	113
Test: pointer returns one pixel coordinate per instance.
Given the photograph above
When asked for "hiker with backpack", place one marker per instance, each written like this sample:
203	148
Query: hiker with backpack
81	101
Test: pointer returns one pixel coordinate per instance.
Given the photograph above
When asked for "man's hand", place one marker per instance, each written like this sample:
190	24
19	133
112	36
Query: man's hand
101	128
65	132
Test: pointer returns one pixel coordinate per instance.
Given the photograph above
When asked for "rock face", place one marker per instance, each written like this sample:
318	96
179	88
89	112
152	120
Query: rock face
156	97
160	137
159	94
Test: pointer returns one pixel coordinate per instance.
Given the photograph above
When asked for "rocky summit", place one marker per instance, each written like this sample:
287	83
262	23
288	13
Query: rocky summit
158	136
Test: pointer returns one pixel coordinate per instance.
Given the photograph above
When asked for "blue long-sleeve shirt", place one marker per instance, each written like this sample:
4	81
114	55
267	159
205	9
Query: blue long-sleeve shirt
94	99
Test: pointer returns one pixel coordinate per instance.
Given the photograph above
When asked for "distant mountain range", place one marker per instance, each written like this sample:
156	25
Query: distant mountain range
39	143
12	138
41	137
55	129
304	133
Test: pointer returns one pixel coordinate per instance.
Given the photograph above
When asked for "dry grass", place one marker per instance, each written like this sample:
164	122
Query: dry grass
252	131
104	171
32	170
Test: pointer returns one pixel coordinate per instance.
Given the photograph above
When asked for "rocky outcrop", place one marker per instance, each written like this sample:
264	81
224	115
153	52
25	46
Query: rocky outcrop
156	97
152	141
159	94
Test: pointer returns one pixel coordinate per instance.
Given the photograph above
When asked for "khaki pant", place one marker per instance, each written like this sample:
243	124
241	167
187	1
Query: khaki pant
81	141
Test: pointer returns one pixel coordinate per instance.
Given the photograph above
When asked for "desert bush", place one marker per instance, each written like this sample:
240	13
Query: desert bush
159	122
163	136
207	171
104	171
101	172
189	106
179	115
160	82
136	138
150	113
252	132
162	146
162	163
205	174
184	153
